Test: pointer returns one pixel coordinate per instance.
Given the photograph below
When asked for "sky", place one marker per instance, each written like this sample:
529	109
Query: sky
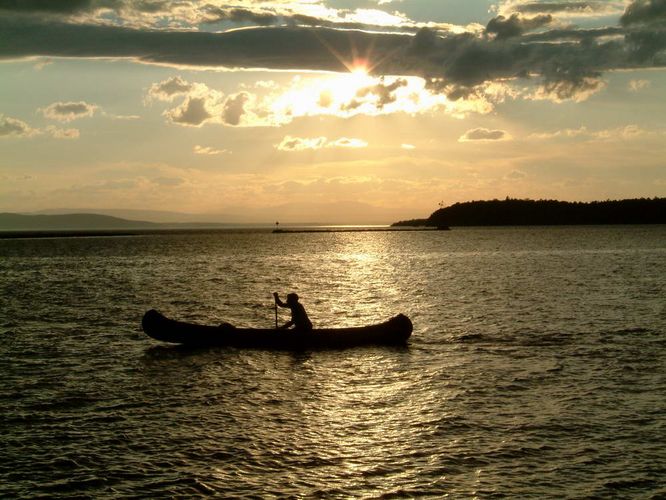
340	111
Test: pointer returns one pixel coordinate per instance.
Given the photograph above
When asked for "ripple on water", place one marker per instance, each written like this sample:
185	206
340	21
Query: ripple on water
535	369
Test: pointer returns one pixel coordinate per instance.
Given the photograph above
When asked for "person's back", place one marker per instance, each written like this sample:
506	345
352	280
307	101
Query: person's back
300	317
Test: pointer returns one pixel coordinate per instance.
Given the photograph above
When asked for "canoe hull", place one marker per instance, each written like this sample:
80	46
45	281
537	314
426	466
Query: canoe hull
395	331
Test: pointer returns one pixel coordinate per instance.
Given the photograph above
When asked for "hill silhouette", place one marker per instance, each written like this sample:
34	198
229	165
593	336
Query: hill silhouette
70	222
515	212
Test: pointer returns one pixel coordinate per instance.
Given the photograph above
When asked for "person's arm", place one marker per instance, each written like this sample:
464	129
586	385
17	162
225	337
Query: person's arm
278	301
287	325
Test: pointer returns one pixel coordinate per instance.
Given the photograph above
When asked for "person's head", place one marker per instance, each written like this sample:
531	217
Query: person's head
292	298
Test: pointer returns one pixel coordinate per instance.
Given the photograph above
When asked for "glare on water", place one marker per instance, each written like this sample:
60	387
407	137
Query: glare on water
535	368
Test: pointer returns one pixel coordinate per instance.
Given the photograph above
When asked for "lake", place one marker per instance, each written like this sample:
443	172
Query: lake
535	370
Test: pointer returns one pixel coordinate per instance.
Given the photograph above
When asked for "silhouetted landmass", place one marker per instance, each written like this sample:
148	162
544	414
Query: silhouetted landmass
411	223
513	212
75	222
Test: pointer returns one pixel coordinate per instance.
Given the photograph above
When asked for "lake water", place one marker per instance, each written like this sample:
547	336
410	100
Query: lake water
536	368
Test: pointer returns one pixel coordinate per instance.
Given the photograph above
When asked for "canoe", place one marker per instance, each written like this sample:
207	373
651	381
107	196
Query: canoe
395	331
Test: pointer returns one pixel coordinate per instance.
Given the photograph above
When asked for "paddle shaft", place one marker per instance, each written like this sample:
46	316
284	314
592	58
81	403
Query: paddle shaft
276	325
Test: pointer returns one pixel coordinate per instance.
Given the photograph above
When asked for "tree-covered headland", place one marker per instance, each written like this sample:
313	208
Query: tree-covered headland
515	212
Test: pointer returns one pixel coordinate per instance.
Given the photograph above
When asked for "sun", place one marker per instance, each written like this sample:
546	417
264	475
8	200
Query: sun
345	86
359	67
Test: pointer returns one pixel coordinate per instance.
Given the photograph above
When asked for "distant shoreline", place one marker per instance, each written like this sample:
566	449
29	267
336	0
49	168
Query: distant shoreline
489	213
16	235
517	212
88	233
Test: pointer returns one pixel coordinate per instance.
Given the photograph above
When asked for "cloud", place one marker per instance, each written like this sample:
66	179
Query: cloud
345	142
13	127
58	7
381	94
515	25
193	112
168	89
122	117
644	12
234	108
484	135
638	85
290	143
568	63
575	8
157	14
341	95
203	105
62	133
626	132
578	89
200	104
515	175
69	111
207	150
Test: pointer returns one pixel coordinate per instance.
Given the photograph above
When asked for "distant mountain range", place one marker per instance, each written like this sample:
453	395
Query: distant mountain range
10	222
70	222
160	216
508	212
290	213
514	212
159	220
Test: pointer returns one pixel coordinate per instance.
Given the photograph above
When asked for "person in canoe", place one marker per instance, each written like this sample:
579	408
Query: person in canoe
299	318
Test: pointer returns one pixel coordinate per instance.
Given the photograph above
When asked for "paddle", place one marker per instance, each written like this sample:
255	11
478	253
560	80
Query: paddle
276	324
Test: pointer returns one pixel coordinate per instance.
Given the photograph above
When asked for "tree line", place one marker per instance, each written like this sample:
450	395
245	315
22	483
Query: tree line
522	212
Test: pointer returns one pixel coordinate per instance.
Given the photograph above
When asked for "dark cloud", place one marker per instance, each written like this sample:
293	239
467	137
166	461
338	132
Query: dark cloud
584	36
193	112
566	67
168	12
14	127
169	88
234	108
381	93
148	6
276	48
246	16
52	6
559	7
648	47
566	62
68	111
515	25
644	11
483	134
578	88
73	7
216	14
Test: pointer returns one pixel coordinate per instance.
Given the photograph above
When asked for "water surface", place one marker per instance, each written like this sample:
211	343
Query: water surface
536	368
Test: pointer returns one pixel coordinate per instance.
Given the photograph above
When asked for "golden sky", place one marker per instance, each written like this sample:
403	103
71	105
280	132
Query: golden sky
356	111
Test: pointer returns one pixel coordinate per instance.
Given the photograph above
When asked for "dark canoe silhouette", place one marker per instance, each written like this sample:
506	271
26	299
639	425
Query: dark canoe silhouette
395	331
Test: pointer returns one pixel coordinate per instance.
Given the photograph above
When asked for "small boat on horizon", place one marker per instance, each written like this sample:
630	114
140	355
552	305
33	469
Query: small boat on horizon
395	331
